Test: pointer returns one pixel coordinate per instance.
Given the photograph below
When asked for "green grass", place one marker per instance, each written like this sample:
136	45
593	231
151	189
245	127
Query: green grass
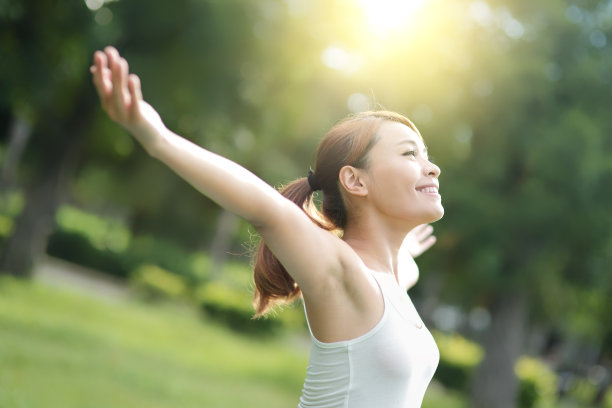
62	349
59	349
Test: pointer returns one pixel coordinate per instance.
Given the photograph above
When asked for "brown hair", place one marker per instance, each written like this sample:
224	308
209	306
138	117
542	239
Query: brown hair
346	144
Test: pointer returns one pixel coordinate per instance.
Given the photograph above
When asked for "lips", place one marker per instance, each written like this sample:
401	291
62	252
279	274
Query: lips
428	189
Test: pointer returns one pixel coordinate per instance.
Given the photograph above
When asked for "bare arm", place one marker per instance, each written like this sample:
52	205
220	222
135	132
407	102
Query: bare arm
230	185
307	251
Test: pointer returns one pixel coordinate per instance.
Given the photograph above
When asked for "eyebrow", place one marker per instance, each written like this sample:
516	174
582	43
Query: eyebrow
412	142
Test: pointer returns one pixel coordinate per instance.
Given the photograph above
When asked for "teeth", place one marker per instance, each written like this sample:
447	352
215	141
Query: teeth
428	190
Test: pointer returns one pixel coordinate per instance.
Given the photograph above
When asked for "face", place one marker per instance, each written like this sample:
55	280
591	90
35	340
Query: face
401	181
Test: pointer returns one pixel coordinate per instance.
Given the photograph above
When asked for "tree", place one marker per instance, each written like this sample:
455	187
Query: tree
46	87
528	210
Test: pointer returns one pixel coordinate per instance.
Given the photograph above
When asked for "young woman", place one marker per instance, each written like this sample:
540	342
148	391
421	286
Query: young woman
351	262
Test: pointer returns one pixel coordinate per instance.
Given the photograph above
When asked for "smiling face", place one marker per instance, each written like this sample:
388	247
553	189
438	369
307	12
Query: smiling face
401	181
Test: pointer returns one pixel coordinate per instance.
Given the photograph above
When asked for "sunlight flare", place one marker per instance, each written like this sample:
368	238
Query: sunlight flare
383	16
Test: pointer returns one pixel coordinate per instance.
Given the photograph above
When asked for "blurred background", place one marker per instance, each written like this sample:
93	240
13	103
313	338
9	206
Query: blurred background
121	285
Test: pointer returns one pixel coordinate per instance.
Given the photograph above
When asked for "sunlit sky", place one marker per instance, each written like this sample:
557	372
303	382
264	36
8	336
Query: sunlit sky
383	16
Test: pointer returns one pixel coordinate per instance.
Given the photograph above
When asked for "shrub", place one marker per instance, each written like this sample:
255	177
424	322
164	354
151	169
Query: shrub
233	308
147	249
90	240
75	247
156	283
537	383
608	399
103	233
458	358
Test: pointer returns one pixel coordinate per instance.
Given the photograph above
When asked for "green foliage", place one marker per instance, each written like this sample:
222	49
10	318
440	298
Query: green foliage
156	283
538	383
233	308
582	391
102	232
458	358
91	240
437	396
77	248
161	252
6	226
11	204
608	399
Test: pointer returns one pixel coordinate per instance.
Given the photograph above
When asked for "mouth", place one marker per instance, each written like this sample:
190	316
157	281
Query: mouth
429	190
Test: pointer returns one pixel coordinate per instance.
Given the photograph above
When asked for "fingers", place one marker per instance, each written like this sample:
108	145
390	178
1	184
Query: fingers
119	91
135	95
421	239
422	231
425	231
99	70
119	71
428	243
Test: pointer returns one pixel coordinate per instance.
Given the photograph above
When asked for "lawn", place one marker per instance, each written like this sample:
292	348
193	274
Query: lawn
63	349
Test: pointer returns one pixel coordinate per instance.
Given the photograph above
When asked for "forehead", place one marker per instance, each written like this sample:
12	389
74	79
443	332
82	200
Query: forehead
392	134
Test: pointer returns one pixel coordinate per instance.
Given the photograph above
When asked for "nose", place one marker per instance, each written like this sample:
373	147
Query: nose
430	169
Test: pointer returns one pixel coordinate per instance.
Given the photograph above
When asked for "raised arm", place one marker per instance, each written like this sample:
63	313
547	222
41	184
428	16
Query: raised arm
230	185
308	252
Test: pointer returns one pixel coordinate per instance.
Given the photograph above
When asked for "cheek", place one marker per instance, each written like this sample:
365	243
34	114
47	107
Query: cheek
394	186
396	178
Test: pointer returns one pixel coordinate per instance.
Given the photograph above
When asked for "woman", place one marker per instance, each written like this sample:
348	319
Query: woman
369	346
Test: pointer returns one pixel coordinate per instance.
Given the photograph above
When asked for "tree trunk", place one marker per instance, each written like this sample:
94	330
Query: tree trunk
495	384
61	145
227	223
19	134
31	228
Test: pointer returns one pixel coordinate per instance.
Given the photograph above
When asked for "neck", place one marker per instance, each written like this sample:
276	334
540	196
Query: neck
377	244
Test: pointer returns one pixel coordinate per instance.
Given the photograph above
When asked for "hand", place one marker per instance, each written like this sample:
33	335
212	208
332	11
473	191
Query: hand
121	97
419	240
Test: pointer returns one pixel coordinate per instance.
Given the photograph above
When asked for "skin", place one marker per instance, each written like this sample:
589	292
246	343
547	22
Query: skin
342	299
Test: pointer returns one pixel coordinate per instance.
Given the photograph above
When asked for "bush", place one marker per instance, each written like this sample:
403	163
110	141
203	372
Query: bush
608	399
75	247
90	240
156	283
165	254
458	358
233	308
103	233
537	383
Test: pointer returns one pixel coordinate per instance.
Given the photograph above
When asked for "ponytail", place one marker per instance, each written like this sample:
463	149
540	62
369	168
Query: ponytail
273	284
347	143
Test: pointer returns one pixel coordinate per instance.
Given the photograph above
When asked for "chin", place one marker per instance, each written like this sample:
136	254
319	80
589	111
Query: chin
436	216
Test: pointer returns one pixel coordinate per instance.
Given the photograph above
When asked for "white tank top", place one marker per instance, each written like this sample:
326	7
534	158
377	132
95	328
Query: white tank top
389	367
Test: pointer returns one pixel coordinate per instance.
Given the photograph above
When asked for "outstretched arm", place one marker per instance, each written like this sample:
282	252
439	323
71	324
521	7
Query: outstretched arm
419	240
311	254
230	185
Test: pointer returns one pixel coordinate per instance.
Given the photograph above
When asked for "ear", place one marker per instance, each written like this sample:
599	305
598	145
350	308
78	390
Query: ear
352	179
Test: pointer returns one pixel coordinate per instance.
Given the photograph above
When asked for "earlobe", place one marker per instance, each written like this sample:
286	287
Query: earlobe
351	179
